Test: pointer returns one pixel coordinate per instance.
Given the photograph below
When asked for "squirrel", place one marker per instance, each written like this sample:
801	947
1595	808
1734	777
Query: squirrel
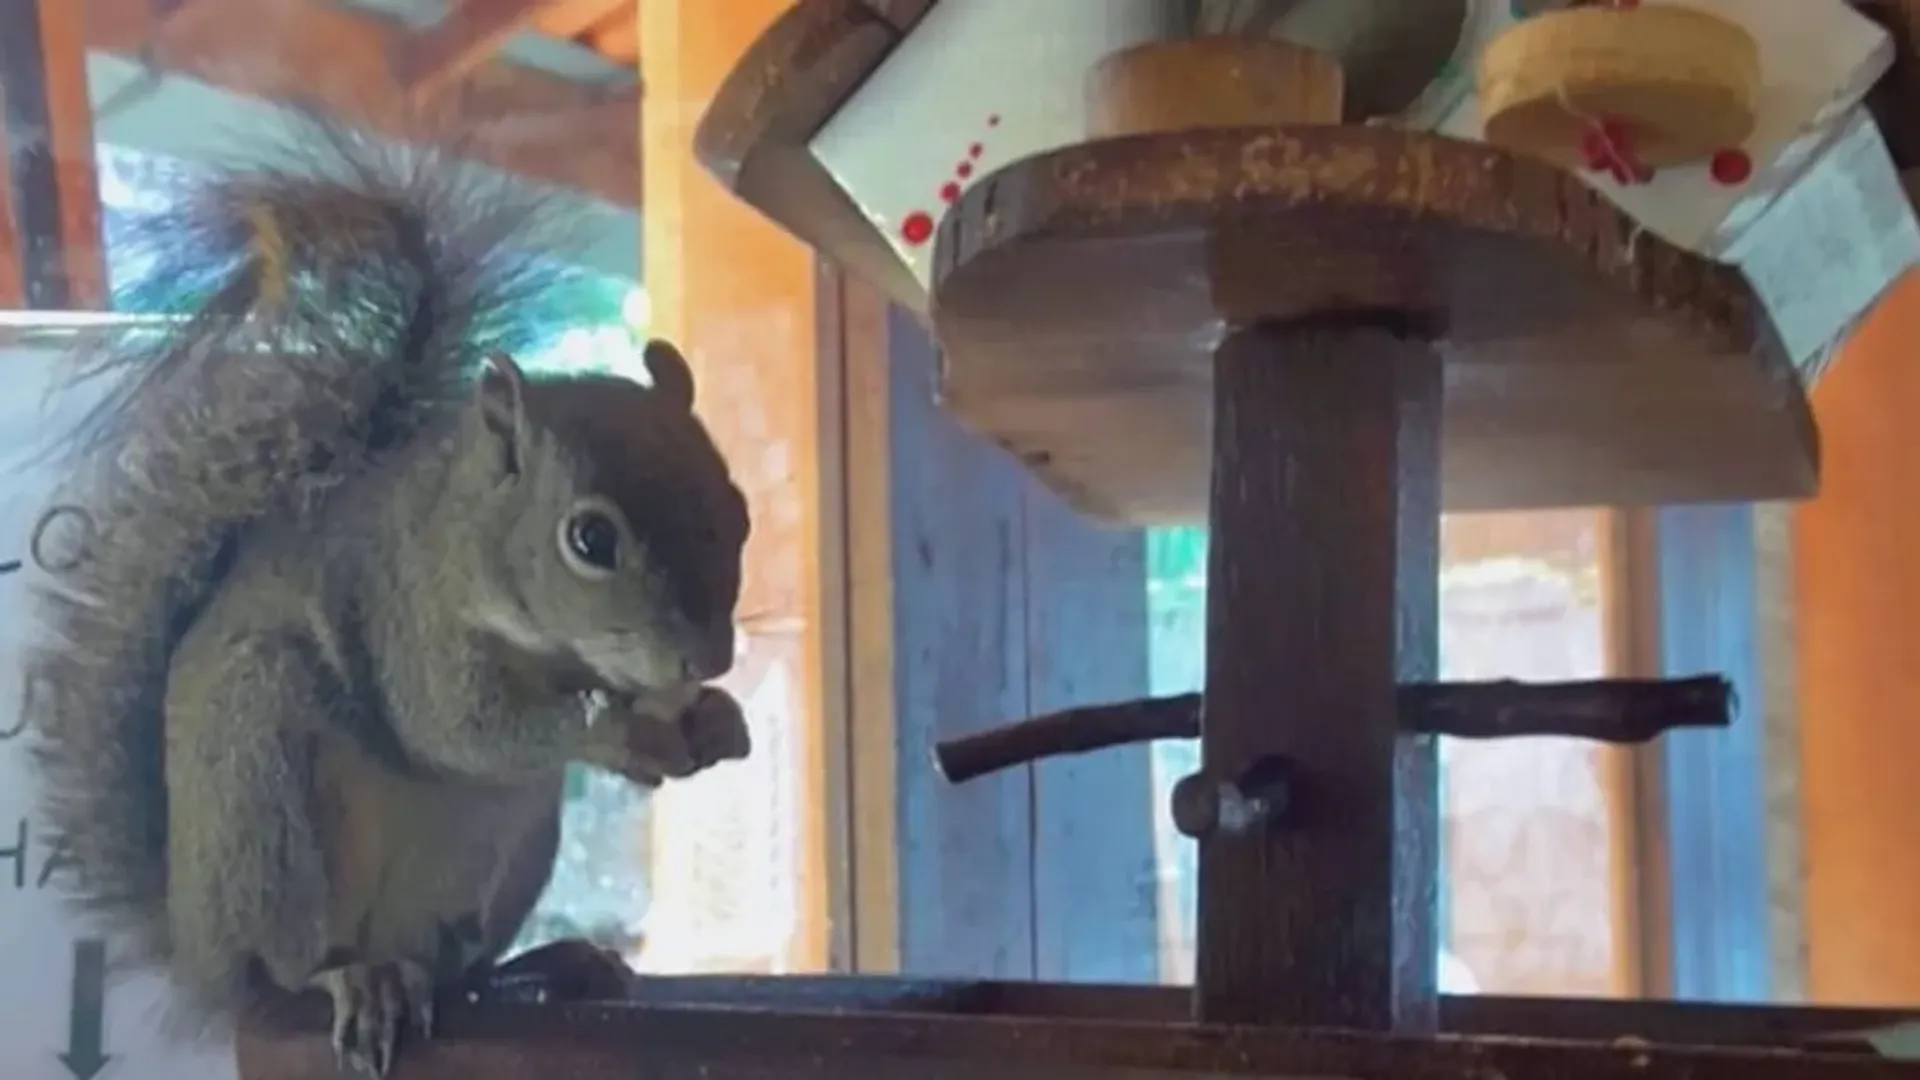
352	589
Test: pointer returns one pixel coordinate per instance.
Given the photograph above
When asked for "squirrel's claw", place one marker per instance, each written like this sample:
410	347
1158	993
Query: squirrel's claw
371	1003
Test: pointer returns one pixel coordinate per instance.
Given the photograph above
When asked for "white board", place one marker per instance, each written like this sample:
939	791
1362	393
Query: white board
60	1021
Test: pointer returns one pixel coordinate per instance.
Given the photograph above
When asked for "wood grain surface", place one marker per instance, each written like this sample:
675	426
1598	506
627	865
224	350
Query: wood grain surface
1080	295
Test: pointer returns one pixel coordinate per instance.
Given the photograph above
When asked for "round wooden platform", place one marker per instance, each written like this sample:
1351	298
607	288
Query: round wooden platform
1079	295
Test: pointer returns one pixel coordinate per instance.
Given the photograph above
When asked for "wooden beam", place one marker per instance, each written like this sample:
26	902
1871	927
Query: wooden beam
616	38
568	19
1627	1023
533	124
1855	580
13	278
965	1031
52	190
437	59
741	299
1712	786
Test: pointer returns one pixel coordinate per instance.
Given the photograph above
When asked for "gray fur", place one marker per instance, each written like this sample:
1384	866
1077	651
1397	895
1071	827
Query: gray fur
324	586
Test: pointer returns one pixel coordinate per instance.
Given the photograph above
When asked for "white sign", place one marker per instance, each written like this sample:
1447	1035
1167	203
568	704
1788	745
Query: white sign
67	1016
977	84
1826	251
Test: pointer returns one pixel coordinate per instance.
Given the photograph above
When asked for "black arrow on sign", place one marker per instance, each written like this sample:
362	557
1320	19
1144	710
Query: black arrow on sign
85	1056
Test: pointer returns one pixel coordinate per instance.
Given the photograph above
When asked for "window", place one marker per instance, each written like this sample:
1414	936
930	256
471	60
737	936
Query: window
1536	833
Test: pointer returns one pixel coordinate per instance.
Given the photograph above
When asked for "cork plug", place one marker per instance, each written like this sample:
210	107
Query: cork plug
1679	84
1212	82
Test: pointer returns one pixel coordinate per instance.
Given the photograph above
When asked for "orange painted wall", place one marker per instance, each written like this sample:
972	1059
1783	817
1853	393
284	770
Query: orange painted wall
737	295
1857	581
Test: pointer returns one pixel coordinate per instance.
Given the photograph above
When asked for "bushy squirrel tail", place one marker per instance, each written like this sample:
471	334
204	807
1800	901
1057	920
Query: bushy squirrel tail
332	306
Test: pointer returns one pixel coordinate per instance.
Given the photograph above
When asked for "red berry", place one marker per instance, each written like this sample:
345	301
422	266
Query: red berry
1731	167
917	228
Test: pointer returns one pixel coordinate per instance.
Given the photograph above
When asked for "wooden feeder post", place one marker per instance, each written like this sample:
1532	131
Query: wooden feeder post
1321	593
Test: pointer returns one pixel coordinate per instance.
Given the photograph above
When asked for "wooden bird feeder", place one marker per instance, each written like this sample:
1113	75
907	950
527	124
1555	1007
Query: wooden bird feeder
1229	306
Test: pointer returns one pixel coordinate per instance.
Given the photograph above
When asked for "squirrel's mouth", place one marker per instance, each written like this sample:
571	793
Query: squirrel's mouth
623	665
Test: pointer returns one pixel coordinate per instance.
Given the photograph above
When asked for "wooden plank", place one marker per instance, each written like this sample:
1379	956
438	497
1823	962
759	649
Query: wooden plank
855	1041
617	38
870	779
838	690
529	123
435	59
1857	579
1626	627
1713	781
1635	636
1575	1019
974	596
742	299
568	19
1322	592
960	646
13	271
1778	715
1094	865
54	192
1579	1019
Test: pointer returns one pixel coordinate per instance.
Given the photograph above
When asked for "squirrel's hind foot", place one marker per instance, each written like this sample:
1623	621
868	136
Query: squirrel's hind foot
371	1004
569	970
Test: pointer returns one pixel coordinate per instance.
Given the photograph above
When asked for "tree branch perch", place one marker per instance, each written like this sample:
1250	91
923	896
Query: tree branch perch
1603	710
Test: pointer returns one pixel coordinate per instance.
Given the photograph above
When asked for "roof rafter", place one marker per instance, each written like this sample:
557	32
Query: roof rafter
616	38
534	124
433	60
571	18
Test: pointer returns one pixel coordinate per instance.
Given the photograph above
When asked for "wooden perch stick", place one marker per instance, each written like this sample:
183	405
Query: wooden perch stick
1604	710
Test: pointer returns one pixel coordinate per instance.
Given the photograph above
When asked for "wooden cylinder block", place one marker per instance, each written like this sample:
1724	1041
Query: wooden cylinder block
1682	83
1211	82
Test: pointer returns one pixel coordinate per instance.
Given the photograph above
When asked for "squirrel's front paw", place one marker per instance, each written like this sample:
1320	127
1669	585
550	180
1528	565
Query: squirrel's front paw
371	1003
650	742
715	728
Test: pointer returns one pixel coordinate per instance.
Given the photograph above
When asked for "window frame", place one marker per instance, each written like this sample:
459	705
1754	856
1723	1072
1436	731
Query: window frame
1692	587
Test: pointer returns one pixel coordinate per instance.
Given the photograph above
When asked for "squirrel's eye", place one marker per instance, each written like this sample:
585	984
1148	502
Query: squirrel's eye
593	539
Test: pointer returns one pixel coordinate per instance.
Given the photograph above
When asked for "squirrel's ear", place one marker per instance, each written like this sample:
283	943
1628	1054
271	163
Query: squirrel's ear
672	375
502	401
